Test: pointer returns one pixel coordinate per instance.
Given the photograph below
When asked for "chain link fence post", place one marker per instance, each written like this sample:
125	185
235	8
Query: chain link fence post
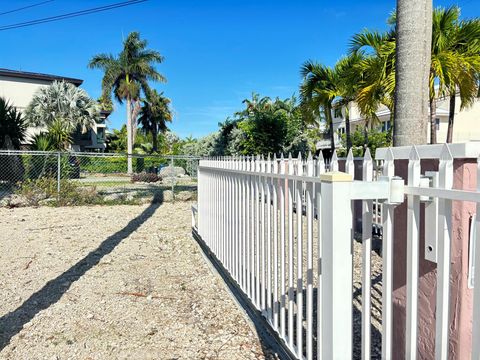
172	164
59	171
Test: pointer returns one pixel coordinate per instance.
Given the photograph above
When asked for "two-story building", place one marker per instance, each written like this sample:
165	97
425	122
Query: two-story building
464	129
18	87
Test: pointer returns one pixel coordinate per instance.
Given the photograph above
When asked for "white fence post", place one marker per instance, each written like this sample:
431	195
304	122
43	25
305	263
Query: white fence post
336	267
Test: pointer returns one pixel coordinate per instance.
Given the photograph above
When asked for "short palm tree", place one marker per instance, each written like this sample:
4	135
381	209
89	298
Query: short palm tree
62	102
375	72
317	92
12	126
154	115
126	76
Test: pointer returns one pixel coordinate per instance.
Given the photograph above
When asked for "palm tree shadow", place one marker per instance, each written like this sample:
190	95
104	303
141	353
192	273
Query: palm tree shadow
13	322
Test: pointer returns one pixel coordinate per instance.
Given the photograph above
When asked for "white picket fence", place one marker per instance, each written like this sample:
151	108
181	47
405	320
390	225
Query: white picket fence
282	228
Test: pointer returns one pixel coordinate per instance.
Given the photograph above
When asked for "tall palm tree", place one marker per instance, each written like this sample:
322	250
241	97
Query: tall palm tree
154	115
126	76
65	103
413	52
317	92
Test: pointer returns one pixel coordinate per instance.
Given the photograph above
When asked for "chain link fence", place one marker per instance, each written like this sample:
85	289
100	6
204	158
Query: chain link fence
32	178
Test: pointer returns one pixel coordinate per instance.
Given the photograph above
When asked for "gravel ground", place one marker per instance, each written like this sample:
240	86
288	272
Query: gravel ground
119	282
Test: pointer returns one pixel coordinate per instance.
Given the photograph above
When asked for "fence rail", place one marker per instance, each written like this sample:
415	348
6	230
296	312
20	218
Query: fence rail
283	229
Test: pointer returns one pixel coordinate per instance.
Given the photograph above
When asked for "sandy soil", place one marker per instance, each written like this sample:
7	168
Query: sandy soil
119	282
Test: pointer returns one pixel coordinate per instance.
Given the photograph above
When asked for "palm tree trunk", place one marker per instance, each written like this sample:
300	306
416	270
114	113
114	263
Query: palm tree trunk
328	115
347	128
433	125
413	57
451	118
129	136
135	112
155	139
365	138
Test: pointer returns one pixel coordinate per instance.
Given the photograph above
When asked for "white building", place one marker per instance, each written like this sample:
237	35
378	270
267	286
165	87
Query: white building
18	87
466	123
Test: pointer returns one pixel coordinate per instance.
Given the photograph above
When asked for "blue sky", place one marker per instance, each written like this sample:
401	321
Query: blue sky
216	52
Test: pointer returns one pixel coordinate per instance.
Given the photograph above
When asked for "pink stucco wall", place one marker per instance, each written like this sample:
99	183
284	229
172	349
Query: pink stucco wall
461	296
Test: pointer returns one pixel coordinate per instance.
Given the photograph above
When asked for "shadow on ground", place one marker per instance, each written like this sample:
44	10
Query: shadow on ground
13	322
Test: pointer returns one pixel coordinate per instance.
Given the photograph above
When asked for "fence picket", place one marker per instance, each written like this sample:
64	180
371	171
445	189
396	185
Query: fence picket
443	256
387	264
283	210
267	183
320	164
367	216
263	183
413	222
299	211
275	244
310	217
290	253
349	164
256	252
334	161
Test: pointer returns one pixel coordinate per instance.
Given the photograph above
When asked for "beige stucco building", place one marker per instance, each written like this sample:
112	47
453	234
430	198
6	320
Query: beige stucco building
466	123
18	87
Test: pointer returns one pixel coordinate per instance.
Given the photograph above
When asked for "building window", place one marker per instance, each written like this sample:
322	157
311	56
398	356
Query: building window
100	135
341	130
437	123
386	126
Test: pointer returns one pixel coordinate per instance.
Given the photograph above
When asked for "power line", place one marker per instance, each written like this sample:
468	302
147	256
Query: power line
71	15
25	7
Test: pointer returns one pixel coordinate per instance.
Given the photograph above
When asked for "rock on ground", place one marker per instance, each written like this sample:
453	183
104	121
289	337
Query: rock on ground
172	171
113	282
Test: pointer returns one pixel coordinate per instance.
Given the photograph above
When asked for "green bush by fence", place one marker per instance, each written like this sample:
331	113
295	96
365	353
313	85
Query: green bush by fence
111	165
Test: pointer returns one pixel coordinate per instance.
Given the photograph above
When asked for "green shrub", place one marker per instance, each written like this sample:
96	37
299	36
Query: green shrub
118	164
71	193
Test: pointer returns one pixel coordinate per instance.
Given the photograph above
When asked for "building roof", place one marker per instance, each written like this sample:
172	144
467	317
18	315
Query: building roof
38	76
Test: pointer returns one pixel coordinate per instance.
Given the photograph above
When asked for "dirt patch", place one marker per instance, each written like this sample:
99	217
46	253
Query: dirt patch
118	282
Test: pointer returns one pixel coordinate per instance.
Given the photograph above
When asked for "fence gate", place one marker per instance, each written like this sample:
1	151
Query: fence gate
283	230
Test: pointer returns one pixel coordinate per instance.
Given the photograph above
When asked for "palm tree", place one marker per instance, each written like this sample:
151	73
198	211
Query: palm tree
348	86
413	52
62	102
154	115
12	126
375	73
317	92
126	76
